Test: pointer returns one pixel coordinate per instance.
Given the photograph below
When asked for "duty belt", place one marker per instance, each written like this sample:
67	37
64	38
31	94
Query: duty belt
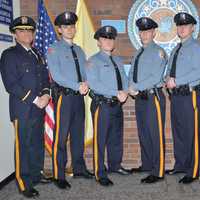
99	99
197	88
183	90
146	93
68	91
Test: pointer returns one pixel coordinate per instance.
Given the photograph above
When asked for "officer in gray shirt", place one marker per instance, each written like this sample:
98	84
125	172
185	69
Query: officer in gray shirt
109	84
66	63
145	84
183	83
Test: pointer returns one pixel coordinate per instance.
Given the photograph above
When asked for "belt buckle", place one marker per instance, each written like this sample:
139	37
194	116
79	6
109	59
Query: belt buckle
151	91
109	101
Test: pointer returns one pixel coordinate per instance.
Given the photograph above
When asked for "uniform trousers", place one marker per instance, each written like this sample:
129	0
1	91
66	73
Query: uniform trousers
108	134
150	117
29	151
70	119
184	122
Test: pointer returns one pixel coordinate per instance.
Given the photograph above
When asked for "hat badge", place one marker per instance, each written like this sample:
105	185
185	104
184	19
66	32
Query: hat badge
24	20
108	29
67	15
183	16
144	20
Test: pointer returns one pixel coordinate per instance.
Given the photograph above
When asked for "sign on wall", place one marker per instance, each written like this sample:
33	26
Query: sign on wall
162	11
6	11
120	25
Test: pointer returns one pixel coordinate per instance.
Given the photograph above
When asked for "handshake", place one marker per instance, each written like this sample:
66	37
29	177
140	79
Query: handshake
122	95
132	91
41	102
83	88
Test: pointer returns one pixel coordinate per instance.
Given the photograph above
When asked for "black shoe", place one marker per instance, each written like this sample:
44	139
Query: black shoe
105	182
30	193
122	171
151	179
137	170
34	191
62	184
187	179
86	174
173	172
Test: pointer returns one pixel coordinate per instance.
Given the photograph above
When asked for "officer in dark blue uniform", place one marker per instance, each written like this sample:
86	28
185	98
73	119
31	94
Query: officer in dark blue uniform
25	77
145	79
183	84
66	63
108	83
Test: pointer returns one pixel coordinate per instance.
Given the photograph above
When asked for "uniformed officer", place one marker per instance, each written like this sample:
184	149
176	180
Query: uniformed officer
183	82
145	79
108	83
66	63
25	78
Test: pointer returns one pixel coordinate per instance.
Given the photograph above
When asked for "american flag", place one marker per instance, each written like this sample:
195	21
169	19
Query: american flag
45	36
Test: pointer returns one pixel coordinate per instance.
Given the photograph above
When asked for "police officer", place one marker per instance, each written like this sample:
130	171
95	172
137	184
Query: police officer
183	81
108	83
145	79
25	78
66	63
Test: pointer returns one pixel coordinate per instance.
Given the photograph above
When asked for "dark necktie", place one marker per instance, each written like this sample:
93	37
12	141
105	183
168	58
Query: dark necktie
173	69
135	72
118	76
77	64
33	56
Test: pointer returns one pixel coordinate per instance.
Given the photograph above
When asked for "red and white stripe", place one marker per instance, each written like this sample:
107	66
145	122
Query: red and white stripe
49	125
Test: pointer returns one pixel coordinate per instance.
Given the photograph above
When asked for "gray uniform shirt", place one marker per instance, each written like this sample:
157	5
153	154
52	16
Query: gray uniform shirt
151	67
62	66
187	63
101	74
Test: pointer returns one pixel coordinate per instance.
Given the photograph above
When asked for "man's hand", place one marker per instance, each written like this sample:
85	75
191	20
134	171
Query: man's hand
83	89
45	99
42	101
132	92
122	96
170	83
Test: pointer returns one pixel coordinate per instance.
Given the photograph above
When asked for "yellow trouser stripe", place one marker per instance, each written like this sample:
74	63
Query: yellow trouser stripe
17	158
196	139
160	137
96	143
57	137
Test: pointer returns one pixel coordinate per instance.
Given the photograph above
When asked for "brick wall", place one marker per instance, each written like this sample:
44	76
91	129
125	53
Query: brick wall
110	9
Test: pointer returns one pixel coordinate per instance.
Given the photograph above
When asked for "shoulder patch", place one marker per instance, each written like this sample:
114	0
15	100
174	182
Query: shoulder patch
51	50
162	54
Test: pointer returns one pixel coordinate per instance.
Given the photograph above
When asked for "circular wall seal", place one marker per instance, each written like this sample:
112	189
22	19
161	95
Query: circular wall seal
162	11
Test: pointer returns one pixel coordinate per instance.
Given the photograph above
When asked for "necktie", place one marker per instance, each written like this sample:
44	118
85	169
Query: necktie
118	76
173	69
33	56
77	64
135	72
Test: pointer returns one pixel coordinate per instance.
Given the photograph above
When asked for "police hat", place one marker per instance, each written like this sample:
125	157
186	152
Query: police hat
184	18
109	32
66	18
23	22
146	23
